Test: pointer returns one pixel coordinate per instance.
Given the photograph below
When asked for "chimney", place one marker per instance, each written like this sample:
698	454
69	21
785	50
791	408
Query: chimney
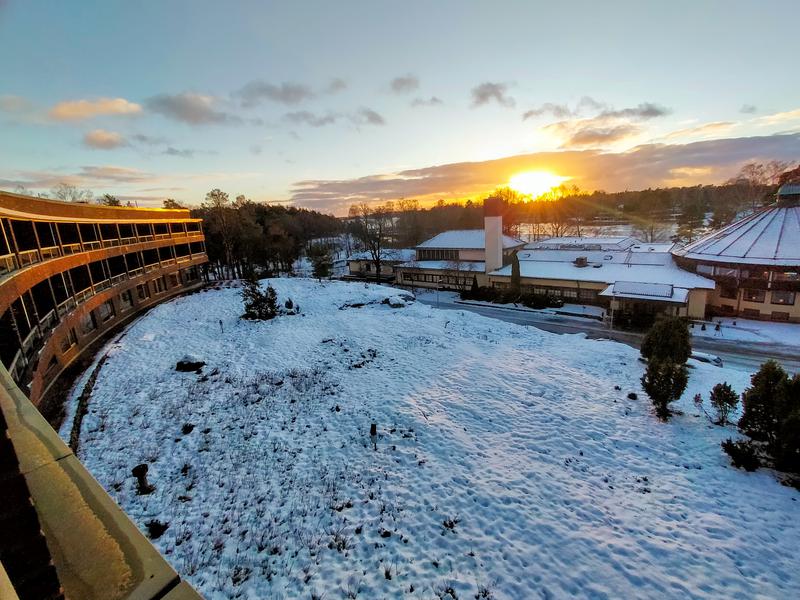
493	230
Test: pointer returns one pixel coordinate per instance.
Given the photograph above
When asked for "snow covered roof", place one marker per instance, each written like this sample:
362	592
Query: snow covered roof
466	239
387	254
659	292
628	257
769	237
585	243
609	272
445	265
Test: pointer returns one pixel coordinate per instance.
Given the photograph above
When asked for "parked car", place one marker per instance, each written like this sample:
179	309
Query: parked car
707	358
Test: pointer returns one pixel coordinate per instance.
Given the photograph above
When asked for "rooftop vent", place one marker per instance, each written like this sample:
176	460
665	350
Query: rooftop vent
581	261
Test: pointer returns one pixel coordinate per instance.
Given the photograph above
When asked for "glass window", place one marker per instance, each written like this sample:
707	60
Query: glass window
783	297
126	300
786	276
726	272
705	269
754	295
728	292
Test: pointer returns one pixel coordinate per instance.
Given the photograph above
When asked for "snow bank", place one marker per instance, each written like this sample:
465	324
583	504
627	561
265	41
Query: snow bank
505	462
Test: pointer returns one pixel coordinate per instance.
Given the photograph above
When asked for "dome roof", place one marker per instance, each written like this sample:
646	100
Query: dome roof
769	237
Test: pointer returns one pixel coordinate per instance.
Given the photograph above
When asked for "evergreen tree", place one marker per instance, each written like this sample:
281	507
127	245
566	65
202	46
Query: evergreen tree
270	303
724	400
668	339
761	403
252	297
320	261
664	381
515	274
473	290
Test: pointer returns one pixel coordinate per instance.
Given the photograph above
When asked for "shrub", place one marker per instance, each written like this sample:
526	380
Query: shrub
742	453
724	400
320	261
258	305
668	339
664	381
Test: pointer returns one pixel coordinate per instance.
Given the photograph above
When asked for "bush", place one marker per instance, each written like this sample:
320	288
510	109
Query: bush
664	381
724	400
258	305
760	414
668	339
537	301
742	453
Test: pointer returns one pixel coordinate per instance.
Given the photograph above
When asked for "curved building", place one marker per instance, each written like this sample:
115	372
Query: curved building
755	262
70	273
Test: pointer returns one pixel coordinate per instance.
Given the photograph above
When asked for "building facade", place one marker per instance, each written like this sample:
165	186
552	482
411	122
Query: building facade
754	262
70	273
361	266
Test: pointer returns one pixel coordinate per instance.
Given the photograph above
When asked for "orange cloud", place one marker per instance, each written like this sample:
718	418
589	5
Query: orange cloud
104	140
715	127
76	110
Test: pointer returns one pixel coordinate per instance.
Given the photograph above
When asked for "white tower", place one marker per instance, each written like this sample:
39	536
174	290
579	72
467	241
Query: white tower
493	230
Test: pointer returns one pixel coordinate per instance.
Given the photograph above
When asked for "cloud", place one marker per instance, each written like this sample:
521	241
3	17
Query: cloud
486	92
10	103
255	149
185	153
432	101
598	136
779	118
715	127
76	110
560	111
255	92
404	84
368	116
645	110
101	139
336	85
748	109
148	140
650	165
191	108
305	117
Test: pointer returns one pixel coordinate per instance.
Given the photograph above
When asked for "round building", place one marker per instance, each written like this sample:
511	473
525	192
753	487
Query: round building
755	262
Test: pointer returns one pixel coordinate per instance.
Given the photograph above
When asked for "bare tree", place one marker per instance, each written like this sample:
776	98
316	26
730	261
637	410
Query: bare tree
170	203
218	204
70	193
371	226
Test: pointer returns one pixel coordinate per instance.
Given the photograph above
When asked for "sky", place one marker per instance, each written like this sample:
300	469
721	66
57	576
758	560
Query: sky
326	104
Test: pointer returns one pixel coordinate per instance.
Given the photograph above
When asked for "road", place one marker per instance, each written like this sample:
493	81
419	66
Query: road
745	356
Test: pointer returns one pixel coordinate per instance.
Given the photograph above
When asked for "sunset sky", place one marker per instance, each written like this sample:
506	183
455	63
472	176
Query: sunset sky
328	103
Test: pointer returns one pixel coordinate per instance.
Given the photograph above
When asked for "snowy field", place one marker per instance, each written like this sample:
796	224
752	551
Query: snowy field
506	464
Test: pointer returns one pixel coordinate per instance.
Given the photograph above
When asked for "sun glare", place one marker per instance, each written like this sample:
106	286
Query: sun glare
535	183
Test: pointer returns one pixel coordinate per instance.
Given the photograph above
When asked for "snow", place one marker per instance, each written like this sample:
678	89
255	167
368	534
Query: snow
505	459
767	237
445	265
747	330
663	292
466	239
585	243
609	272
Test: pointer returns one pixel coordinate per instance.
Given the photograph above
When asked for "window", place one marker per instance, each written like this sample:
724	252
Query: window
173	280
756	274
88	323
569	293
705	269
779	316
728	292
106	310
588	294
751	312
727	308
126	300
751	295
160	284
69	341
786	276
783	297
142	291
726	272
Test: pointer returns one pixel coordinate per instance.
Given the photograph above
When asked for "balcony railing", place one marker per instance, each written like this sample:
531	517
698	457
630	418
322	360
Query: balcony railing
92	245
50	252
28	257
70	248
111	243
8	263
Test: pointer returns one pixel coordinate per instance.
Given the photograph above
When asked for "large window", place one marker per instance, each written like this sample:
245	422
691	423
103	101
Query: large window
728	292
436	254
783	297
751	295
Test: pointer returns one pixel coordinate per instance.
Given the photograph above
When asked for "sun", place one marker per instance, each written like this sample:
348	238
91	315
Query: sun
535	183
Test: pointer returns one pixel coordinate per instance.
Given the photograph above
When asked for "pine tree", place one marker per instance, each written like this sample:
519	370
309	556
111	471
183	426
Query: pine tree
515	274
270	310
668	339
761	403
664	381
252	296
724	400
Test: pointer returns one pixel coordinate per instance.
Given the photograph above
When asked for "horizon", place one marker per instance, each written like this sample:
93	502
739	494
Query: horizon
381	103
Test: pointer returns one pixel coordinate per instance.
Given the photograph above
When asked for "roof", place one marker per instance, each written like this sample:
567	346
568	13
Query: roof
445	265
388	255
789	189
636	290
609	272
628	257
585	243
466	239
769	237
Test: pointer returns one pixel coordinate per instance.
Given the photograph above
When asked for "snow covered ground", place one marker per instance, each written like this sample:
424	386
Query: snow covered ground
748	330
506	463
